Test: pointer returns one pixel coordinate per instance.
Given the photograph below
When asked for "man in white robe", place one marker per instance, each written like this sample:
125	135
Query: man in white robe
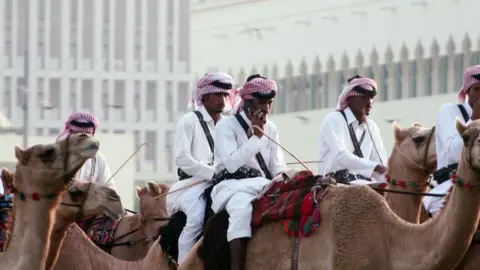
194	147
96	169
350	147
245	164
448	142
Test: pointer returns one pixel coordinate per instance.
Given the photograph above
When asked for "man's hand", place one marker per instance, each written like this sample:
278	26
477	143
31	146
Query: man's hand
476	110
258	118
380	169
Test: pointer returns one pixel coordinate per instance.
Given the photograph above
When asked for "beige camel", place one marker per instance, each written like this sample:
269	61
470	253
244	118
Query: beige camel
411	162
359	230
136	233
42	174
81	200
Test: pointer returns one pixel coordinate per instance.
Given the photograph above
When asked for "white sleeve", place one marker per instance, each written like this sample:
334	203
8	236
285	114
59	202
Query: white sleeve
103	172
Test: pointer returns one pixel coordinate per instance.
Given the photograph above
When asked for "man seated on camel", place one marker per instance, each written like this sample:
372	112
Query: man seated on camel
95	170
245	160
351	149
448	142
194	148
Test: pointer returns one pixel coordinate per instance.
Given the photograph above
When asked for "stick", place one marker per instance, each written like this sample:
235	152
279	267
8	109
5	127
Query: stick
187	186
306	162
126	161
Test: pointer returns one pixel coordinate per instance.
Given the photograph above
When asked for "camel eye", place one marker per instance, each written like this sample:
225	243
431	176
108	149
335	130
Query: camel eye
75	193
48	155
418	139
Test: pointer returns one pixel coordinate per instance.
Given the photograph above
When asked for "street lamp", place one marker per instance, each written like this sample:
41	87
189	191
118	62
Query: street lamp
26	75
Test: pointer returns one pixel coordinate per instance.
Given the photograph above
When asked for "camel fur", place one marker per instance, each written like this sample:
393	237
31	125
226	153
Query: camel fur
411	162
42	174
144	225
360	231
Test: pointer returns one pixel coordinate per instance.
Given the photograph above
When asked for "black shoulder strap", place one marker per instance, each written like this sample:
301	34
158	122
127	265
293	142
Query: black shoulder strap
205	129
258	156
464	112
358	151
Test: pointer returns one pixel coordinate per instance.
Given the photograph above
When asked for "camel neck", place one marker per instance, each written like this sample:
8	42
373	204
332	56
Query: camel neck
443	241
32	229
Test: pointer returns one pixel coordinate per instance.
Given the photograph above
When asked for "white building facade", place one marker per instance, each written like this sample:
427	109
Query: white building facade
411	48
126	61
417	52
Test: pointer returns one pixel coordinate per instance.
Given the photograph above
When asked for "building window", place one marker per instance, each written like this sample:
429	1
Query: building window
169	101
443	74
138	158
150	152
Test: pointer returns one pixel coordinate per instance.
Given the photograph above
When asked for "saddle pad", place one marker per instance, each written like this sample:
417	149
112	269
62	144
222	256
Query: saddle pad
286	200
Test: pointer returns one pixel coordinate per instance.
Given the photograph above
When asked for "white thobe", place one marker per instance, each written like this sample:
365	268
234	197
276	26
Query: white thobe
449	149
101	171
335	149
234	149
192	155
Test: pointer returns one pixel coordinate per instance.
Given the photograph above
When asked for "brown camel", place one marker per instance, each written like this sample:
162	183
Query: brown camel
81	200
411	162
359	230
135	234
42	174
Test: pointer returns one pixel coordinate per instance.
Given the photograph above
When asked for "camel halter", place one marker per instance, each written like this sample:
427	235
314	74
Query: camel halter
67	177
423	166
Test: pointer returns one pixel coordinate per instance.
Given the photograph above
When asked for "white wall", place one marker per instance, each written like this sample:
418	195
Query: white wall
300	136
115	147
293	30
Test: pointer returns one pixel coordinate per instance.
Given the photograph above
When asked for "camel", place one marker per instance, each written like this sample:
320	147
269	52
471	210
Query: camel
359	230
135	234
411	162
81	200
42	173
75	250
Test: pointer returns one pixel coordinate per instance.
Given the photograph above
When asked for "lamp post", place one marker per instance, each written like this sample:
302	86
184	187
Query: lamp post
26	75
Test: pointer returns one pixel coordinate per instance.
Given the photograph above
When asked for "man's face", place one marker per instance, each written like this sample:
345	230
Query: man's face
360	105
265	105
215	101
474	93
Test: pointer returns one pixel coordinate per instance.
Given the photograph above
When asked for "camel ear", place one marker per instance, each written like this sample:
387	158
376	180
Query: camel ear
460	126
7	178
22	155
417	125
139	191
399	133
153	189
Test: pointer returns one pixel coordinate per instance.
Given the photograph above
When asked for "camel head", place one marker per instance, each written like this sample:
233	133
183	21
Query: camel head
45	169
152	206
84	200
414	147
471	142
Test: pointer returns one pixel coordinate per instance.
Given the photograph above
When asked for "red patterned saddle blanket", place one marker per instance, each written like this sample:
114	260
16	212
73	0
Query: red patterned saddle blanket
291	202
101	232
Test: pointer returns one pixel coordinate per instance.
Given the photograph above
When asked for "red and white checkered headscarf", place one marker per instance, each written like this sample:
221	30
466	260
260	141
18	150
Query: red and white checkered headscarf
256	85
365	83
468	81
82	117
204	86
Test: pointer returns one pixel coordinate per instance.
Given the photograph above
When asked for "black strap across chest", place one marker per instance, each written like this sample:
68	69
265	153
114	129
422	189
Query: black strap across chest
356	144
464	112
206	130
258	156
183	175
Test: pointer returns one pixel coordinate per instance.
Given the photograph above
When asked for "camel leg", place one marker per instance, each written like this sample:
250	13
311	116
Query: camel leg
238	253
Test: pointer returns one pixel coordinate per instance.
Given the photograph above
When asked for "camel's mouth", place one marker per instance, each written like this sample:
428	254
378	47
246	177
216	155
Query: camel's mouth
91	150
111	214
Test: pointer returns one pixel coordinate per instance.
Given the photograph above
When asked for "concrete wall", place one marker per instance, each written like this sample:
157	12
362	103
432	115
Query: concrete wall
299	131
115	148
235	34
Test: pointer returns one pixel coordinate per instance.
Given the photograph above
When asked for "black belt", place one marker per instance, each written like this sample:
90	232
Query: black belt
347	177
182	175
241	173
444	173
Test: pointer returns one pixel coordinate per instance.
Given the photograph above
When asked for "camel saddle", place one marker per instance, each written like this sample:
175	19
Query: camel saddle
291	202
